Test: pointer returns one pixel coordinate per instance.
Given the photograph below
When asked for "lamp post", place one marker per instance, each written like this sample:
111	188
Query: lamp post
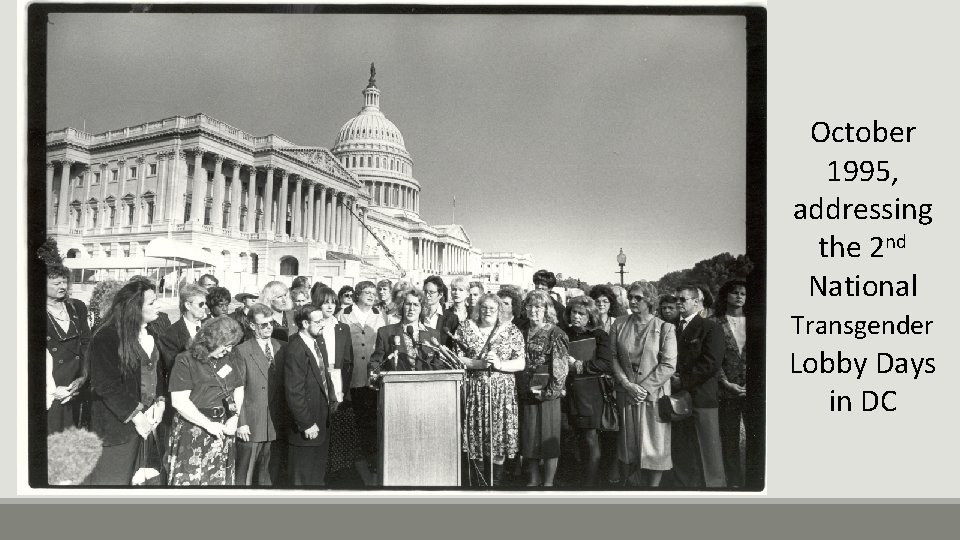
621	260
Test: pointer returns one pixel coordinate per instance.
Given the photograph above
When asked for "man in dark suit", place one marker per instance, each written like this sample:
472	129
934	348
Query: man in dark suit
310	398
434	315
193	309
402	346
261	424
277	296
697	457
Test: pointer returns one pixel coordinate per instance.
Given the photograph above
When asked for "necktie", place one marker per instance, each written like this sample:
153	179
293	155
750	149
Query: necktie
323	368
683	323
269	353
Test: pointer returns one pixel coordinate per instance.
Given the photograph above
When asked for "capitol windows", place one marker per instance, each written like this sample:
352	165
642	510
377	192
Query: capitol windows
111	211
128	208
96	179
114	174
148	201
93	211
133	173
152	171
75	214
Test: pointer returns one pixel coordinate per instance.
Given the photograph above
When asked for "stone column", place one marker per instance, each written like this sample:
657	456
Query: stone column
268	201
297	205
104	169
216	213
159	205
198	199
282	207
250	225
84	206
338	222
64	192
50	168
309	217
235	194
322	218
335	220
138	197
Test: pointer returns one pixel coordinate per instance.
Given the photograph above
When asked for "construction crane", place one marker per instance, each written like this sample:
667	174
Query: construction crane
386	250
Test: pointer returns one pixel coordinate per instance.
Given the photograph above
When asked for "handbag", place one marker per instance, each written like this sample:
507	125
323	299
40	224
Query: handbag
675	407
609	420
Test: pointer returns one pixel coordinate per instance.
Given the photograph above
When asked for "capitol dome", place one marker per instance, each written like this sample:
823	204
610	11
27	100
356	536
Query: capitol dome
370	129
371	147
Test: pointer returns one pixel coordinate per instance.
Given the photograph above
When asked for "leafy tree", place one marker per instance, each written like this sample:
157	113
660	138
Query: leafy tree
710	273
49	253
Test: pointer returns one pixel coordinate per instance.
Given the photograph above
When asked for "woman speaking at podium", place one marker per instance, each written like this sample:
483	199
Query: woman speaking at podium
408	345
493	351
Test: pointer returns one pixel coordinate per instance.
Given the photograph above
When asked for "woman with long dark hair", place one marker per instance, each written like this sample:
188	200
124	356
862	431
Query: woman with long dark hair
127	391
729	314
206	389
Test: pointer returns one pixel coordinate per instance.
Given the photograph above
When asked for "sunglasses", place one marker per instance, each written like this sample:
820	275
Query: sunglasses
202	304
636	297
264	326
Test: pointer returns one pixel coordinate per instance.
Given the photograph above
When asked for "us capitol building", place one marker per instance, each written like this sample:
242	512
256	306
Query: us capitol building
197	194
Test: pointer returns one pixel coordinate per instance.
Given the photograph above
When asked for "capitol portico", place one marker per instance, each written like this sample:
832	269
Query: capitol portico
262	207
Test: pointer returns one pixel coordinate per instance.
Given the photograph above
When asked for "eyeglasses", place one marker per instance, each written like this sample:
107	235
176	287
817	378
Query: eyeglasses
683	299
348	295
636	297
264	326
431	293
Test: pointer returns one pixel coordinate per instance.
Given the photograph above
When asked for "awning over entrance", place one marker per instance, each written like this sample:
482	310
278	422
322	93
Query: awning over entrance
109	263
166	248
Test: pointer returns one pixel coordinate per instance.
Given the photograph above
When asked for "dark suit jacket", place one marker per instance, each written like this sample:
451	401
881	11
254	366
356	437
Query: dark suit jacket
307	401
289	328
264	405
700	350
427	359
448	320
116	398
173	342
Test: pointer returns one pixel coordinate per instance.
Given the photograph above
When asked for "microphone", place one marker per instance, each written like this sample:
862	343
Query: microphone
71	456
460	344
396	351
410	334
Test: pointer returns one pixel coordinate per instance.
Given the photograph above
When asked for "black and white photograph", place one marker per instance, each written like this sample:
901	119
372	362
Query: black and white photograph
395	248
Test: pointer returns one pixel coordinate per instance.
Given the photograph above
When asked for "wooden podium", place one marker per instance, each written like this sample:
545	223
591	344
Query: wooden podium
419	427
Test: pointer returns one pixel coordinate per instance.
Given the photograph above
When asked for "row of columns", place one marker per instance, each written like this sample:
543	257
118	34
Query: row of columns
315	211
432	256
396	195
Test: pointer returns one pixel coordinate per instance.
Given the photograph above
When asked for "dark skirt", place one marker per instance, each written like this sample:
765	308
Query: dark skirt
344	439
62	416
197	458
540	429
584	401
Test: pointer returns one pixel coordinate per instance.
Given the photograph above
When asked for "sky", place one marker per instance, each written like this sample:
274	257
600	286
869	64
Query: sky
567	137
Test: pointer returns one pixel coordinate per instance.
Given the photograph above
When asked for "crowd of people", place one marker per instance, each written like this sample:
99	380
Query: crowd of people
586	391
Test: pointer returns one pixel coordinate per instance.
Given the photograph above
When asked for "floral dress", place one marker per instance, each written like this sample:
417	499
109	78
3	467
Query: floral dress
506	343
546	356
194	456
